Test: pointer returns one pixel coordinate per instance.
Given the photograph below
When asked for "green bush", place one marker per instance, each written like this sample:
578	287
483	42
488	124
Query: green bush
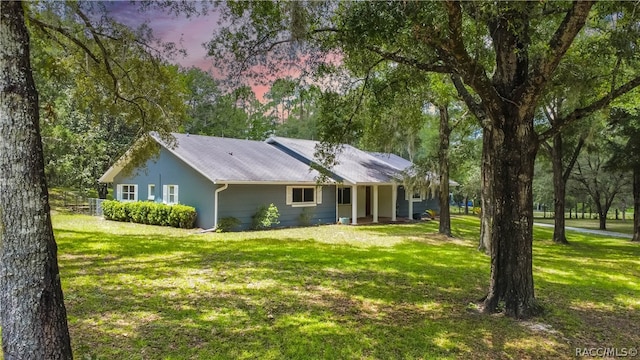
107	209
145	212
265	217
227	224
139	211
182	216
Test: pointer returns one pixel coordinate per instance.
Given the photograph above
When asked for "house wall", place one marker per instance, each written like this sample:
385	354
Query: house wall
193	189
384	201
418	206
243	201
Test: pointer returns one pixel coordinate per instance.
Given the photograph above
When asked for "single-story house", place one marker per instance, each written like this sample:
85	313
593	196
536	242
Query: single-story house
223	177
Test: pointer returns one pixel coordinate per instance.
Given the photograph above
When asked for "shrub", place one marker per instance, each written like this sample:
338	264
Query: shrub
138	211
265	217
159	214
182	216
227	224
119	212
107	209
145	212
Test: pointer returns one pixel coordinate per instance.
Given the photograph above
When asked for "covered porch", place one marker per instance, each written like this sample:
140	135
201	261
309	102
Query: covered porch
369	203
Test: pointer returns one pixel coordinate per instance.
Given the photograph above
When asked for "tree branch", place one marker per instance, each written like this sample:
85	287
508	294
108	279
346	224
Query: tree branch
588	110
476	108
433	67
574	158
107	64
66	34
558	45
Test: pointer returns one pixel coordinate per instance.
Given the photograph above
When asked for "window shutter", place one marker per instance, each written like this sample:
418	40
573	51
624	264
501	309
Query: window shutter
289	195
176	195
119	192
318	194
135	192
164	194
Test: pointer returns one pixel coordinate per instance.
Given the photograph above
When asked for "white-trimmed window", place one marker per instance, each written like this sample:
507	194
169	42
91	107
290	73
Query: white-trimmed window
304	195
344	196
127	192
170	194
151	192
418	195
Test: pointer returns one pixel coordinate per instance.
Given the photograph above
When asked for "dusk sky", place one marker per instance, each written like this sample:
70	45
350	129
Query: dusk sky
189	34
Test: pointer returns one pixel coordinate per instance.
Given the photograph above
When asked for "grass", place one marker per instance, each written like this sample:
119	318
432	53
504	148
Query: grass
621	226
332	292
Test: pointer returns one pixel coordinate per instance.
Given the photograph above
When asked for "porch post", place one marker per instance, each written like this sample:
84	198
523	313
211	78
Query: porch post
410	202
375	203
394	200
354	204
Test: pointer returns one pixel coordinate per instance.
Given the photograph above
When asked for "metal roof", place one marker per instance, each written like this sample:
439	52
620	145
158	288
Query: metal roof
354	165
236	160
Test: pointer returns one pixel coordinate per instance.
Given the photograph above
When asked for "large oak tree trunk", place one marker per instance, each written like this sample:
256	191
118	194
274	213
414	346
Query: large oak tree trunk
512	152
636	204
32	312
486	200
443	157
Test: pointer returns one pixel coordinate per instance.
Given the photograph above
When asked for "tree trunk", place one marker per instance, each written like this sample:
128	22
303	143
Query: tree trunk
32	315
443	158
602	214
559	191
103	190
636	204
466	205
486	214
512	153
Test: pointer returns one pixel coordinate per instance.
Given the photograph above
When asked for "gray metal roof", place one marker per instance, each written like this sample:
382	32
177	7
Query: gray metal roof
393	160
236	160
354	165
405	164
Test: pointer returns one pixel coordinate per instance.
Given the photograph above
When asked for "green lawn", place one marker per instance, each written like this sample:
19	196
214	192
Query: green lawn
332	292
621	226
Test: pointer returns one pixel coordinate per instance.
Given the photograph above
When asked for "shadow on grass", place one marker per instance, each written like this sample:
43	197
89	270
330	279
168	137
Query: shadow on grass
157	296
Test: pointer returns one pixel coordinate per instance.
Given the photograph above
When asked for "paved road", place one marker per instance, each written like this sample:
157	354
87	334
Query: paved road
589	231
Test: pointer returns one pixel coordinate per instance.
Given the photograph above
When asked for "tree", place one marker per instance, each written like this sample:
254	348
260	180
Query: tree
561	170
505	53
626	122
601	183
33	316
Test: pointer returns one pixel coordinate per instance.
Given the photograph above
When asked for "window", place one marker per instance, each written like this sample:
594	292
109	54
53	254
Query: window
170	194
304	195
127	192
417	196
344	196
151	193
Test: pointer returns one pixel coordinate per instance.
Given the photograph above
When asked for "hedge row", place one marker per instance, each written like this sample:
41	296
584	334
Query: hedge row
151	213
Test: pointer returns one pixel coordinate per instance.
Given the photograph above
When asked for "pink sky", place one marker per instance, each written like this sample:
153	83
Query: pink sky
188	33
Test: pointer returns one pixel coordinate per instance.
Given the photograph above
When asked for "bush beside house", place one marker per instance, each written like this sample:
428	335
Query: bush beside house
151	213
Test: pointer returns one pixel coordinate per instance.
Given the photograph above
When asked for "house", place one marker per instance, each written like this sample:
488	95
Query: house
223	177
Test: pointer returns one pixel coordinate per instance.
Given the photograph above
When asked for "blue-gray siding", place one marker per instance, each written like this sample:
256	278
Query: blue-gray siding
243	201
418	206
193	189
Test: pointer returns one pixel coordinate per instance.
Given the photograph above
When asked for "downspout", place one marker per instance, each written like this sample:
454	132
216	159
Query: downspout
215	208
215	204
